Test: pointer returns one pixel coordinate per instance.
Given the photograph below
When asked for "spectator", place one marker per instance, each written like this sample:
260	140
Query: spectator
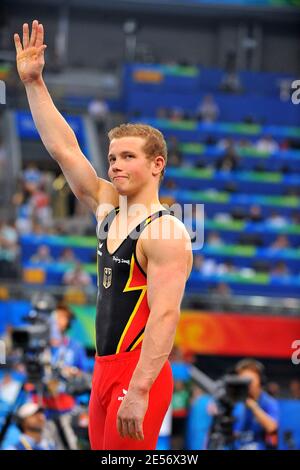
214	239
281	243
176	114
68	256
174	152
294	388
40	202
273	389
207	267
99	111
69	360
9	388
32	175
295	218
32	422
180	403
199	419
221	298
255	214
280	270
9	250
63	203
226	268
223	217
223	289
266	144
66	352
231	81
208	110
21	201
244	145
229	161
277	220
36	228
77	277
42	255
226	143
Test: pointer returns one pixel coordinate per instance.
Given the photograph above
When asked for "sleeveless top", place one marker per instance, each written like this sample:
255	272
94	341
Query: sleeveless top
122	308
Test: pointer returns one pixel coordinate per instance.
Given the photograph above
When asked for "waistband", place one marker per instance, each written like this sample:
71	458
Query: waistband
123	356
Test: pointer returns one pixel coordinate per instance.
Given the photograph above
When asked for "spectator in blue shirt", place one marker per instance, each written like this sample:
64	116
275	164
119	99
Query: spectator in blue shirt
199	420
32	421
257	419
66	351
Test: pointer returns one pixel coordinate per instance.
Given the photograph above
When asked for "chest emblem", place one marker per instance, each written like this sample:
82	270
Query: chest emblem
107	277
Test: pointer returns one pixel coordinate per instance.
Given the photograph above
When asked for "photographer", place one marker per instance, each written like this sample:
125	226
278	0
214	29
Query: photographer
31	420
256	423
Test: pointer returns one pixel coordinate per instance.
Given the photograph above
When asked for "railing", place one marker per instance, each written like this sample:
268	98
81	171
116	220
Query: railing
212	302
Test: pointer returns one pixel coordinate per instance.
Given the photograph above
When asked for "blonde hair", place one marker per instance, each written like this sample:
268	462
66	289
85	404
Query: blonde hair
155	143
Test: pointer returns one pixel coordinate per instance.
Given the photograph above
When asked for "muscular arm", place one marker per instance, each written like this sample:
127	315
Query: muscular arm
168	267
57	136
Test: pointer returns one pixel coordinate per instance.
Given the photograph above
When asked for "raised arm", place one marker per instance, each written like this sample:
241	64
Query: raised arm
57	136
168	267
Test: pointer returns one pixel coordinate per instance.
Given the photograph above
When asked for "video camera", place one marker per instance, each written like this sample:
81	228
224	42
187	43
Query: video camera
226	392
36	335
33	342
32	339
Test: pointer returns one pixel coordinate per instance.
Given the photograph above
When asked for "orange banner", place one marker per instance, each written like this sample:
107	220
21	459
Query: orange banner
148	76
237	335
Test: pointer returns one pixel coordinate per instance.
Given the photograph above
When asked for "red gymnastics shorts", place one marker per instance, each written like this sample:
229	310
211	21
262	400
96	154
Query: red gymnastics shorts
112	375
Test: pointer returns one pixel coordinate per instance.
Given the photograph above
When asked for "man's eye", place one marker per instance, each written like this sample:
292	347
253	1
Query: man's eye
129	156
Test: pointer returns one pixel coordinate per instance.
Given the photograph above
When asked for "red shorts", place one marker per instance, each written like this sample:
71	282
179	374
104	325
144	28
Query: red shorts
112	375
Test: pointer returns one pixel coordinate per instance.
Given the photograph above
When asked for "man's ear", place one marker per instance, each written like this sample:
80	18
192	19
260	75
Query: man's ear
159	164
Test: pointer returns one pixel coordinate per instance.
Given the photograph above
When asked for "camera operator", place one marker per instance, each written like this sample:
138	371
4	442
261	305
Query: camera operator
32	422
256	423
68	359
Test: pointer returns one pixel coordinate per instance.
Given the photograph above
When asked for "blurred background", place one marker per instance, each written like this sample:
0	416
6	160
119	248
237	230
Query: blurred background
216	77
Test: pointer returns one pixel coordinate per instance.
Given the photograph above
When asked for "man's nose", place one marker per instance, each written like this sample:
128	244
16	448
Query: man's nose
116	166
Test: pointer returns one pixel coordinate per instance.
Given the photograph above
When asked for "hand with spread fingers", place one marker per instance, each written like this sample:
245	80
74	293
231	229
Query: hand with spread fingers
30	52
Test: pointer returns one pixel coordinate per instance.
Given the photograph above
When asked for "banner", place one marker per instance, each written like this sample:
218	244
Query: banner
237	334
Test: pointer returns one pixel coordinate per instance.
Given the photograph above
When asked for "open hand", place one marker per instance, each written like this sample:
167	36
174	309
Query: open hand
30	53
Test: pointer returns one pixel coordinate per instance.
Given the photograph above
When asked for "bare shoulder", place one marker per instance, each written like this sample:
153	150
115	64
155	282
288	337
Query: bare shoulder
166	240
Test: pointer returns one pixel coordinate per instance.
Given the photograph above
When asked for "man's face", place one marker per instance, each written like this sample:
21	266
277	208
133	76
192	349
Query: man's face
255	385
129	168
62	319
35	423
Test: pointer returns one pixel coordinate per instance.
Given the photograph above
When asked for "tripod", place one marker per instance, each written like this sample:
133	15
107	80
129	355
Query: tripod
221	436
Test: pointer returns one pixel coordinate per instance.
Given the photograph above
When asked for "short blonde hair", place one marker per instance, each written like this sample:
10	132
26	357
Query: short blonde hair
155	143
